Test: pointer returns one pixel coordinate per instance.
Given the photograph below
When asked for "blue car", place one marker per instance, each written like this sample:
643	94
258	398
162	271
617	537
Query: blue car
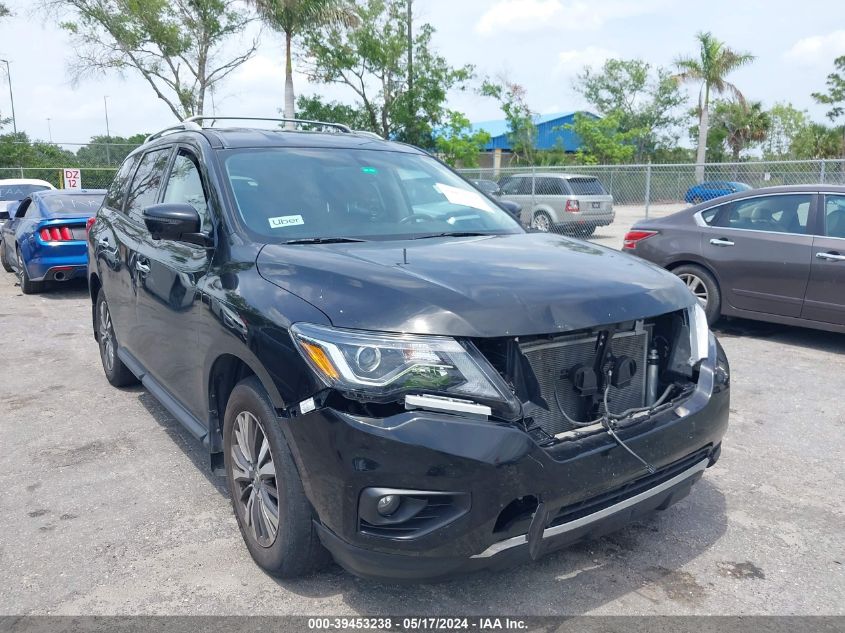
43	237
709	190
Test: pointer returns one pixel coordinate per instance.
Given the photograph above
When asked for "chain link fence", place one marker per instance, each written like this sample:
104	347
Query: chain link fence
92	177
639	191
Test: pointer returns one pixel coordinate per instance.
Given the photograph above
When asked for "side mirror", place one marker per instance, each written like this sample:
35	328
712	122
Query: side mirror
174	221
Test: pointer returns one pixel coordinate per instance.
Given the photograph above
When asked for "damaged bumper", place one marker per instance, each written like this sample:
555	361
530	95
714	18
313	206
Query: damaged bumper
486	494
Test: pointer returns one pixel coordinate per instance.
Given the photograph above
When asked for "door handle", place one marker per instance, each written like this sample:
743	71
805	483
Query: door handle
720	241
833	257
141	267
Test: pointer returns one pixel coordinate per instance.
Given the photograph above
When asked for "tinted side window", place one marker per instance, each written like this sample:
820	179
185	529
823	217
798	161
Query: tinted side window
147	182
586	187
524	186
834	216
32	210
511	185
773	214
185	186
22	208
117	190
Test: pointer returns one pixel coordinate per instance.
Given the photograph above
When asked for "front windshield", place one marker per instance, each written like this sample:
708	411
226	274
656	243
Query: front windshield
305	193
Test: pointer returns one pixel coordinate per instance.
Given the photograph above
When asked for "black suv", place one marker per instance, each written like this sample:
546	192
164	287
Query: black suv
384	364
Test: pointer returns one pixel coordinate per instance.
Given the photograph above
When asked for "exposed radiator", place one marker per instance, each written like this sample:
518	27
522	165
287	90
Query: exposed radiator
552	360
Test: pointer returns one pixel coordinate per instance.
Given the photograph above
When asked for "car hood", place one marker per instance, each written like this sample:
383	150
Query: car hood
507	285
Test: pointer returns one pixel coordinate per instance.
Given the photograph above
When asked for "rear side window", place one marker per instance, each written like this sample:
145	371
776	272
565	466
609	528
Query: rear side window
709	216
586	187
550	187
834	216
772	214
116	193
147	182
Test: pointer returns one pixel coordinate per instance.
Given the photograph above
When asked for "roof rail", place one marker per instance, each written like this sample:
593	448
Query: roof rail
197	120
185	125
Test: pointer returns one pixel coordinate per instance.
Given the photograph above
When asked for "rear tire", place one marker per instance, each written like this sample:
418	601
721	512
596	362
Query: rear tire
28	287
702	284
273	513
118	374
6	266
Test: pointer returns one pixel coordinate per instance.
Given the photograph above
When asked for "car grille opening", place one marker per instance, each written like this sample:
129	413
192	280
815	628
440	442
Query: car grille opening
552	361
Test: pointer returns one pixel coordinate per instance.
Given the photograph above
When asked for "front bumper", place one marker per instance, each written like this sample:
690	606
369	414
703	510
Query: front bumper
581	488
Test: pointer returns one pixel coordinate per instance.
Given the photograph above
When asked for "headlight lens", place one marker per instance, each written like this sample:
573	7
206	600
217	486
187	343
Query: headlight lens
699	333
383	366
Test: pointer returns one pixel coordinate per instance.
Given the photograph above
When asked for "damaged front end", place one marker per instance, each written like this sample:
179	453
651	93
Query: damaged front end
428	455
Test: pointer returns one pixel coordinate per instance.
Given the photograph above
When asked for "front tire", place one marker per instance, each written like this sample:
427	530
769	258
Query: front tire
116	372
273	513
6	265
542	222
28	287
705	289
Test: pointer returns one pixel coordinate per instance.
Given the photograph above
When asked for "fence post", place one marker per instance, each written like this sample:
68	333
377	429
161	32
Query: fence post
821	172
647	188
533	186
21	168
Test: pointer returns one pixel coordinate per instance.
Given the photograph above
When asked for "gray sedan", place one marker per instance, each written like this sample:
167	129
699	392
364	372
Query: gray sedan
775	254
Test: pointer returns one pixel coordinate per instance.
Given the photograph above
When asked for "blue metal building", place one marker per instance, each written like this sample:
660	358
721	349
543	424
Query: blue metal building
551	132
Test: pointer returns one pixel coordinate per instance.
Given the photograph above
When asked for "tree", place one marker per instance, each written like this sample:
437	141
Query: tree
458	144
638	99
294	17
602	139
4	10
175	45
313	108
714	63
742	125
835	95
816	141
372	62
108	150
787	123
522	132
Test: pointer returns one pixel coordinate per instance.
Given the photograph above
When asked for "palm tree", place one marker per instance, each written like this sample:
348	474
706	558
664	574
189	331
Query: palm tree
292	17
714	63
744	124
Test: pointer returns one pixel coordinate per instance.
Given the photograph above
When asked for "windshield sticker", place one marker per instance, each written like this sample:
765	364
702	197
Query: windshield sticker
369	170
463	197
285	220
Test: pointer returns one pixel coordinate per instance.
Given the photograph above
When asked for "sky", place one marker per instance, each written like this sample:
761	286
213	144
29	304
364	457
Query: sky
541	44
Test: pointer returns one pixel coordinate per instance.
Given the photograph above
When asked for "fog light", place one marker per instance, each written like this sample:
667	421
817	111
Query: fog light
388	504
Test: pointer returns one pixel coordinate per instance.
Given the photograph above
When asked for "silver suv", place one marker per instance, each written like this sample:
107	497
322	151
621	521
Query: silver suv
566	202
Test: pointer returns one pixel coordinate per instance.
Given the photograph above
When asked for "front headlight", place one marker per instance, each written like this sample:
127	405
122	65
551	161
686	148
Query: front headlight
699	333
383	366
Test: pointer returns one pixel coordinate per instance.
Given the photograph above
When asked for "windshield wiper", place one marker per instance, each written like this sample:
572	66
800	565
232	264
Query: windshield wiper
324	240
452	234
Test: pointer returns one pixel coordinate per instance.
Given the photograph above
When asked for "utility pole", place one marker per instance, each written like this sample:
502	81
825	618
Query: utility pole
108	132
49	130
411	101
11	95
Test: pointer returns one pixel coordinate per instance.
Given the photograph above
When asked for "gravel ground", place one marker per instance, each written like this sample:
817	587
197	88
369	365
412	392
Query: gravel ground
108	505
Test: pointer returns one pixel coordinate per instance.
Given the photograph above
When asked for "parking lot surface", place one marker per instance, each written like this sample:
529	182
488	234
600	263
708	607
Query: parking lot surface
108	506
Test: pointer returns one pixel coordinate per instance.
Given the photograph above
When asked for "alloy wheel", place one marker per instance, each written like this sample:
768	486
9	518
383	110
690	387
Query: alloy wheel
541	222
254	476
106	333
696	287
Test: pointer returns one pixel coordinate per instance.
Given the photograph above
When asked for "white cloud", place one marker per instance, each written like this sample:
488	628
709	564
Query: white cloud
575	15
573	61
818	49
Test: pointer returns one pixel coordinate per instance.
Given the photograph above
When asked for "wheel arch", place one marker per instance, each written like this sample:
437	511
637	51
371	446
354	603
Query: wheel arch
225	371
